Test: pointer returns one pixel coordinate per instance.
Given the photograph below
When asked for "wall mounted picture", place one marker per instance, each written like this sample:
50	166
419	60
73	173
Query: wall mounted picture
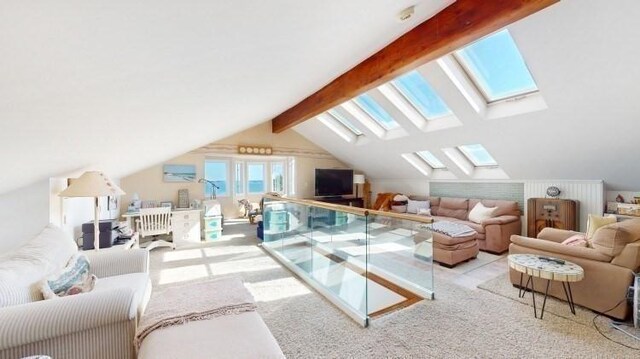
179	173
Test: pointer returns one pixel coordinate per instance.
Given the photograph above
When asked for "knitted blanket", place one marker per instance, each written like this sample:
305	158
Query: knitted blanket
452	229
194	301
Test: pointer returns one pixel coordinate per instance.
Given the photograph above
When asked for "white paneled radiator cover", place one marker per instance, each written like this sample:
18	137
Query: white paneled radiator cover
589	194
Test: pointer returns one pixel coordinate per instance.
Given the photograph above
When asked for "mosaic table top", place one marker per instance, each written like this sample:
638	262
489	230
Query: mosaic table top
535	266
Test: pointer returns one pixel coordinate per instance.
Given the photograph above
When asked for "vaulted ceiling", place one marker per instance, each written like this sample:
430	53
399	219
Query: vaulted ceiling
582	57
122	85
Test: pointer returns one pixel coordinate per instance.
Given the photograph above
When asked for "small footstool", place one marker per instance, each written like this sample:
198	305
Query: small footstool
449	251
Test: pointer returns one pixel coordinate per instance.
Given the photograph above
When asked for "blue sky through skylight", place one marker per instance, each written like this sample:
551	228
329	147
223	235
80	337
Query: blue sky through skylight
497	67
431	160
356	131
418	91
478	155
371	107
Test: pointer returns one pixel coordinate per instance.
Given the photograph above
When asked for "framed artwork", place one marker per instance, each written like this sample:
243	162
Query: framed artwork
112	203
179	173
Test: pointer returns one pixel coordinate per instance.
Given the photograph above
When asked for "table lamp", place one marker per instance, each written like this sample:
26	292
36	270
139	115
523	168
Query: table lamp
358	179
93	184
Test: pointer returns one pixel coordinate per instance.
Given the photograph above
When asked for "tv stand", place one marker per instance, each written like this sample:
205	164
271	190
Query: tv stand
345	201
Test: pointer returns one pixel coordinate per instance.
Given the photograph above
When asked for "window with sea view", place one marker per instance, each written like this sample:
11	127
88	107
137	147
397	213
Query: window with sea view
255	177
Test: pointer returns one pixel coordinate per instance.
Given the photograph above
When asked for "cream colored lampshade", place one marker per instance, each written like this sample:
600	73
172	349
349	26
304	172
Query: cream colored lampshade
358	179
92	184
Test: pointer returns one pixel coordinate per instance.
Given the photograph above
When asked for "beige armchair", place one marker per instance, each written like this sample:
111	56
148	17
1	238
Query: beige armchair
609	264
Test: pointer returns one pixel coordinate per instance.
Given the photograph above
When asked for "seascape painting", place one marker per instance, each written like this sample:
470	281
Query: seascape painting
179	173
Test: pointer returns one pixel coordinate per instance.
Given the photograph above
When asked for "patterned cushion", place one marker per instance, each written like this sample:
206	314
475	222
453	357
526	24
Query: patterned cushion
73	279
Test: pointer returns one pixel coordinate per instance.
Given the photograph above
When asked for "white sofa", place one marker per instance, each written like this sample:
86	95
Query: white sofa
98	324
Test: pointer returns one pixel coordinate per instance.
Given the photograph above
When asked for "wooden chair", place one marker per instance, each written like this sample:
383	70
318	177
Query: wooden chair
155	222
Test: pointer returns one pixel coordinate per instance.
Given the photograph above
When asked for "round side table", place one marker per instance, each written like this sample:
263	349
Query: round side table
549	268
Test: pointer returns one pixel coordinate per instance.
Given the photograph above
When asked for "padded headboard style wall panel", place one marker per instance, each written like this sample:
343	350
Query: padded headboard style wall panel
510	191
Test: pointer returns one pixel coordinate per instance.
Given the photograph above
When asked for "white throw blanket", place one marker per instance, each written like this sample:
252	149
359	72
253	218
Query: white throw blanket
194	301
452	229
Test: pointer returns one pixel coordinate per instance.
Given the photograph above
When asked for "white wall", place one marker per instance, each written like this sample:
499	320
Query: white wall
24	213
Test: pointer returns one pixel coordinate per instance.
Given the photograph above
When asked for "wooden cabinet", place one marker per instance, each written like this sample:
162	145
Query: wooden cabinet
185	226
551	212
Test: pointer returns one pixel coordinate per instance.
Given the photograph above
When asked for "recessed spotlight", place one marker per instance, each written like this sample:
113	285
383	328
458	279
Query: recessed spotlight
407	13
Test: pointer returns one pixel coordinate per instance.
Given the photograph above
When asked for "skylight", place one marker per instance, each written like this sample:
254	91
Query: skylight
373	109
343	120
496	66
431	160
478	155
421	95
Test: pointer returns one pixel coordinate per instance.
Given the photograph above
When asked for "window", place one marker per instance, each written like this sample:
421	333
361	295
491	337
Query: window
421	95
497	68
431	160
478	155
239	178
255	178
277	177
216	172
373	109
345	122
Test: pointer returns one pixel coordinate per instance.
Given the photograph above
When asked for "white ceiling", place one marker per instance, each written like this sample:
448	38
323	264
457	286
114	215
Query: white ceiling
584	58
122	85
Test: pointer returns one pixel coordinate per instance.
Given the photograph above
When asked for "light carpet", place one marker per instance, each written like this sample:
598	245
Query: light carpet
459	323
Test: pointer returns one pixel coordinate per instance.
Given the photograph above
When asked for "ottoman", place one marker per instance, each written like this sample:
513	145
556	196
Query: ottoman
449	251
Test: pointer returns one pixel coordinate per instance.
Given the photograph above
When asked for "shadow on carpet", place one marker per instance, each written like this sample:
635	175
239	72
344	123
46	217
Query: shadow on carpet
502	286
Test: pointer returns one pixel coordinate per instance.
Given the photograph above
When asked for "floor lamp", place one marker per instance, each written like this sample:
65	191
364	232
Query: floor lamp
93	184
358	180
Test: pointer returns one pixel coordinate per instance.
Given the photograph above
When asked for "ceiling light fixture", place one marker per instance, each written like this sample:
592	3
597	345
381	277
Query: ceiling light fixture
407	13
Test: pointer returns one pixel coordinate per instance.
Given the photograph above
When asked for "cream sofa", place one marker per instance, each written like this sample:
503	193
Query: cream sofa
99	324
609	264
494	233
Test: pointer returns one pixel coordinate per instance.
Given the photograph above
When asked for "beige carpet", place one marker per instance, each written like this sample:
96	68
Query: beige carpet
460	323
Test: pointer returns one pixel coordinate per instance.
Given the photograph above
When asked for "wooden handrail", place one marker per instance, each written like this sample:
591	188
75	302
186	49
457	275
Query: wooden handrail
353	210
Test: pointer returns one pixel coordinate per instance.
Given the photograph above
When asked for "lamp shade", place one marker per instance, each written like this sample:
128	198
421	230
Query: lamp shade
92	184
358	179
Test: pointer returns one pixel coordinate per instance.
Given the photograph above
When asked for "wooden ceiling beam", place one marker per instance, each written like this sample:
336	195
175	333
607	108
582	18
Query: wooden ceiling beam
459	24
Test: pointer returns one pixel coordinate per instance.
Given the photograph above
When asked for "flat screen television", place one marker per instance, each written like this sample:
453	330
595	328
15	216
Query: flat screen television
333	182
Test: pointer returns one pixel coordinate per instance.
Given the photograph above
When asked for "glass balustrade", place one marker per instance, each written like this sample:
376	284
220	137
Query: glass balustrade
365	262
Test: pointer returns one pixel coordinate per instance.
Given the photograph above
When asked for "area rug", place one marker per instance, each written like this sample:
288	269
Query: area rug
459	323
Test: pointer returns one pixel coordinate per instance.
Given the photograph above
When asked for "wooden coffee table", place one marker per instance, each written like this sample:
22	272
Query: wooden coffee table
548	268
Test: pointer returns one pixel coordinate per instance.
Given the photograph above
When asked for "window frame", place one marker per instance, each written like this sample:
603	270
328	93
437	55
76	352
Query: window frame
264	177
227	164
429	163
345	123
474	79
413	104
241	166
284	176
356	100
470	158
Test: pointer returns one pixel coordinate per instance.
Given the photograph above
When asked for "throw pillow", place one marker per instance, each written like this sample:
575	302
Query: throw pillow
415	206
577	240
399	203
73	279
595	222
424	212
479	213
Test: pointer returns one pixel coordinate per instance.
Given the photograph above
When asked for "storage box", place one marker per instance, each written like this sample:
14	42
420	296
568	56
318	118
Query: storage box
212	235
629	209
212	223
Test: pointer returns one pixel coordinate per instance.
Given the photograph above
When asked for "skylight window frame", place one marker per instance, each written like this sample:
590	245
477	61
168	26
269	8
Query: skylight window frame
473	161
344	122
375	118
434	166
474	79
414	105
